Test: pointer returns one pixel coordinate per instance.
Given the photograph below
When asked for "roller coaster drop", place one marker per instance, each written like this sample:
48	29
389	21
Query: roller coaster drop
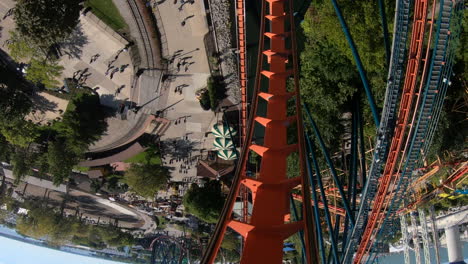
404	134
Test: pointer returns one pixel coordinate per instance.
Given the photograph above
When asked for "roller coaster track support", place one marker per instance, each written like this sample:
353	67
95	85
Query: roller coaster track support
266	228
435	234
383	18
330	163
358	61
311	154
404	234
425	236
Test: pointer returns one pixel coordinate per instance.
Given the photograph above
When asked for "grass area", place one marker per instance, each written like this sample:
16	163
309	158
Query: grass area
143	157
81	168
108	13
162	222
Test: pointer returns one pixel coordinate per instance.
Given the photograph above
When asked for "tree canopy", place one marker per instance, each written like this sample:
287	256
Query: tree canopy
146	179
205	202
60	160
56	149
43	222
43	71
46	22
15	102
84	121
329	77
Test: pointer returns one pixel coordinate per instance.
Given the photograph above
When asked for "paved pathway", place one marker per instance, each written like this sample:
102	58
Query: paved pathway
185	41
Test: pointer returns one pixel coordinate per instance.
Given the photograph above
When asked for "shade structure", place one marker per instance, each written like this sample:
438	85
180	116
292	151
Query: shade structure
222	131
227	154
222	143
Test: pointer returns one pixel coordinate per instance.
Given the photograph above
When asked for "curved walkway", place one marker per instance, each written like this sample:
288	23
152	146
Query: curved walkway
145	87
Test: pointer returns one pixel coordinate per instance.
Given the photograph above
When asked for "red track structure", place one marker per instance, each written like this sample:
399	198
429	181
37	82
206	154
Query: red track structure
241	39
332	208
267	227
459	175
240	11
389	176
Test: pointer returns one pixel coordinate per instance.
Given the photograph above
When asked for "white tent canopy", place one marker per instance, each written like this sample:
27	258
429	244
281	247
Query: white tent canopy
227	154
222	131
222	144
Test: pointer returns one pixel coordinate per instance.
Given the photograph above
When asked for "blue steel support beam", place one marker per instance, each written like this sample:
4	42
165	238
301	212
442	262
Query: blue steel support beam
359	65
316	208
330	164
383	19
354	155
336	232
352	177
361	145
311	151
301	233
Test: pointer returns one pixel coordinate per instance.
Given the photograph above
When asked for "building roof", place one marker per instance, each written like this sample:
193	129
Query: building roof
205	170
38	182
94	174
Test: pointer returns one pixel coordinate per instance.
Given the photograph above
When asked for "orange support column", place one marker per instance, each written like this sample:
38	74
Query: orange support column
268	225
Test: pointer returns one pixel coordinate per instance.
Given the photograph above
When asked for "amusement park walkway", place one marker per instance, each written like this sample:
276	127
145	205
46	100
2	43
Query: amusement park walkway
188	39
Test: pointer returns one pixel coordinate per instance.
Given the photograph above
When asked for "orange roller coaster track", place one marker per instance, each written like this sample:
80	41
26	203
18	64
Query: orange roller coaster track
389	176
265	229
241	44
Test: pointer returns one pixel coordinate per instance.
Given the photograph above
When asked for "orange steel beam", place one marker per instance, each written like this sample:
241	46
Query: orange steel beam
266	229
425	176
460	172
389	176
334	209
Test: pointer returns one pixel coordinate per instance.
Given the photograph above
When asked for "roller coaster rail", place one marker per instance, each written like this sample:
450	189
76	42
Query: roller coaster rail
446	75
385	130
404	113
425	114
404	134
266	229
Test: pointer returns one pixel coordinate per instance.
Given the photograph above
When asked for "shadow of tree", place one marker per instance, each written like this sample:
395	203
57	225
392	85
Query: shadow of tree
43	104
178	147
73	46
110	101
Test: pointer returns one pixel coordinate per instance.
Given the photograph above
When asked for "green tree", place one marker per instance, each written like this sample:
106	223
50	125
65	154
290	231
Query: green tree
19	132
146	179
39	222
212	92
329	77
83	123
21	164
46	22
204	202
6	149
14	99
20	48
60	160
43	71
96	185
